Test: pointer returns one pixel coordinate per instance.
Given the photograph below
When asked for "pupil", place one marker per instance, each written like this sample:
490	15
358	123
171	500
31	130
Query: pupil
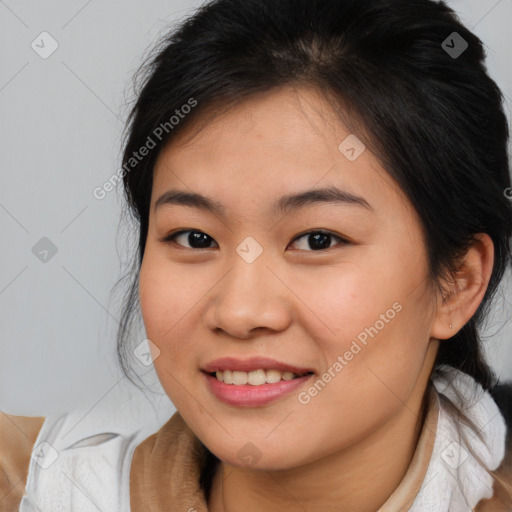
318	240
201	239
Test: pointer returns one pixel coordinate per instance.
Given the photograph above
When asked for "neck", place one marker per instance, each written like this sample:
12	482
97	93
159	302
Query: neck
357	479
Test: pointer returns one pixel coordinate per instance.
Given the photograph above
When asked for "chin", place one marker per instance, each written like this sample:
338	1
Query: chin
258	455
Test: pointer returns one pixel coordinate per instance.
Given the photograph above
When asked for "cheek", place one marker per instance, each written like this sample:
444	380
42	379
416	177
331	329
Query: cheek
370	324
346	300
168	294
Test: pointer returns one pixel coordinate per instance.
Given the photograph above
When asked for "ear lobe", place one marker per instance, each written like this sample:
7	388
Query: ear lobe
467	290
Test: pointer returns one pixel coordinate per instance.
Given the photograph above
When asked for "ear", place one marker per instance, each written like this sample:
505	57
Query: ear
466	291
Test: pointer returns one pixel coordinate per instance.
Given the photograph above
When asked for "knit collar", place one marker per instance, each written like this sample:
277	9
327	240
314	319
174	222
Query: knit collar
444	474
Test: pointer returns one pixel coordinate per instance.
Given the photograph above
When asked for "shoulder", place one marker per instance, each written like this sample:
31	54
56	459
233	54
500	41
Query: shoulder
78	460
84	455
17	437
501	500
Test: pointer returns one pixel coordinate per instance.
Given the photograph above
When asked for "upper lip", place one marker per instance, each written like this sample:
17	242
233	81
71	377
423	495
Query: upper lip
253	363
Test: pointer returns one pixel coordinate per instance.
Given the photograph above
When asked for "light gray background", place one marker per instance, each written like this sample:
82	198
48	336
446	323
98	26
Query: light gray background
60	125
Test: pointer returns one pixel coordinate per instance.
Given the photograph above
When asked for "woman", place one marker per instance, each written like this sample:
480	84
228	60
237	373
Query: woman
322	191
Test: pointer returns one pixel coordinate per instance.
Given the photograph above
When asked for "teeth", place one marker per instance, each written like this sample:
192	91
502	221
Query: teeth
255	378
240	378
273	376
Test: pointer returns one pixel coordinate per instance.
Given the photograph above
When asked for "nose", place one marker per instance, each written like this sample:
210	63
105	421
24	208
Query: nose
250	298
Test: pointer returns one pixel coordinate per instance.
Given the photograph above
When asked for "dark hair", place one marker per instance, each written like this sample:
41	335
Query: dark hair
435	122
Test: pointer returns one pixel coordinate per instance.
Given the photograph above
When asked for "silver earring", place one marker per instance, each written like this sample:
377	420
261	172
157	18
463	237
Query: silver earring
451	326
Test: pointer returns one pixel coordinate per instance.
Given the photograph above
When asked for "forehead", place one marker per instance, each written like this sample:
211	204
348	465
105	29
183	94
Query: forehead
282	141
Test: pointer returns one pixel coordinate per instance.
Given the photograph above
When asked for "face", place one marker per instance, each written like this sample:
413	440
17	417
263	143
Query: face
334	284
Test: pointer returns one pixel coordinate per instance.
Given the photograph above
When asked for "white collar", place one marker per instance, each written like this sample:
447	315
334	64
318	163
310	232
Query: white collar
455	480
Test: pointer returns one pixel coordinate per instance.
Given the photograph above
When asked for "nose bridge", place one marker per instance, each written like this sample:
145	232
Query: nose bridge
249	277
249	264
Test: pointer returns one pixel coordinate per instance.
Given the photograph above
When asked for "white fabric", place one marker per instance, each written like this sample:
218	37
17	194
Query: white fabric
455	481
95	450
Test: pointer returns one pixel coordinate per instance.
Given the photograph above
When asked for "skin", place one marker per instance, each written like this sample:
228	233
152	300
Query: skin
350	446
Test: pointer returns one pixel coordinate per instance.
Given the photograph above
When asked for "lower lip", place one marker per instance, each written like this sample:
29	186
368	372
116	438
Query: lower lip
250	396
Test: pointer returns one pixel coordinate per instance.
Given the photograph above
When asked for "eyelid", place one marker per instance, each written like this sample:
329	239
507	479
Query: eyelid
169	238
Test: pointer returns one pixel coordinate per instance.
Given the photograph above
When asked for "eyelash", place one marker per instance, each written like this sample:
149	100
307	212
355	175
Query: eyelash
171	237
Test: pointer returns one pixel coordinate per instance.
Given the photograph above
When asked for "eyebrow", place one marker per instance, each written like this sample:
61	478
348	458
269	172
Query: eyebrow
283	205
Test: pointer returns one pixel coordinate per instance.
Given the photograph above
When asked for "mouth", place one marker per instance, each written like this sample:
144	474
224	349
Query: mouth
253	382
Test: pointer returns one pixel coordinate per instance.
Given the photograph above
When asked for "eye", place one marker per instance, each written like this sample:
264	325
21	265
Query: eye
196	239
317	240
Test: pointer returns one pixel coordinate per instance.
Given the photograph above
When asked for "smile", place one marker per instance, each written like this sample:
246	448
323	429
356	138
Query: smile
253	382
